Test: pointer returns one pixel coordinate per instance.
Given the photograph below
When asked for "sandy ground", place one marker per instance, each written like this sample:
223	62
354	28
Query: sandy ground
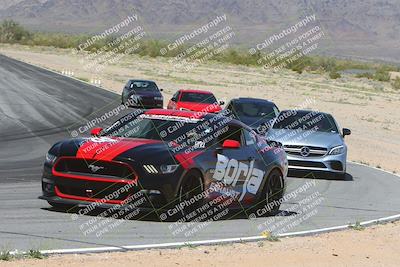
370	109
374	246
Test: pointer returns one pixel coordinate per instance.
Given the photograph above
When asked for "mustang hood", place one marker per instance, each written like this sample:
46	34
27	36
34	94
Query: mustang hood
101	148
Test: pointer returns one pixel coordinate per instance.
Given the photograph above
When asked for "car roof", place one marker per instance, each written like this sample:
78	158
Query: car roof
195	91
177	113
305	111
251	99
138	80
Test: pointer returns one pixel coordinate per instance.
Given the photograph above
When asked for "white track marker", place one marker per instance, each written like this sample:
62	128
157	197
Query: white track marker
212	241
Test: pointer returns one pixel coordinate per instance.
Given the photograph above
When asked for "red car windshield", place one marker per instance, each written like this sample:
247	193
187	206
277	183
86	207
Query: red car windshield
198	98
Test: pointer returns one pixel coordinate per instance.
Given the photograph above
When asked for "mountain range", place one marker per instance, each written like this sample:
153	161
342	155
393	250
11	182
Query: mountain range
367	29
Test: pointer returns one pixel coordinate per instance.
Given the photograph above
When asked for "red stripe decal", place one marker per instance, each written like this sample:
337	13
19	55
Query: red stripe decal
187	159
107	148
88	199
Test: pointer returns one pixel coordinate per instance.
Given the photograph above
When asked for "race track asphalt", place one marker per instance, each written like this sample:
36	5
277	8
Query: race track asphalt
39	107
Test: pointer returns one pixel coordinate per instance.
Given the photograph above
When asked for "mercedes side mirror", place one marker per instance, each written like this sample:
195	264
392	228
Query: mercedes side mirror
346	132
96	131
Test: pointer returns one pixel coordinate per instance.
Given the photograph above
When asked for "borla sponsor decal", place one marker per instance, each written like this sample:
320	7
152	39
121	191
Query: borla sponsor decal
229	171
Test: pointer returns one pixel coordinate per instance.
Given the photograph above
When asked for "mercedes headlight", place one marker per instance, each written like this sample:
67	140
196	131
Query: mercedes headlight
337	150
158	98
169	168
50	159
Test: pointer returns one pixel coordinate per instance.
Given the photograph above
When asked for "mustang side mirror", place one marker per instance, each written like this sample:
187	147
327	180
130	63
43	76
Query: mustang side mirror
96	131
221	102
346	132
230	144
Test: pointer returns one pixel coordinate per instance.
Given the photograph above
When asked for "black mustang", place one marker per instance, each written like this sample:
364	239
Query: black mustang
171	157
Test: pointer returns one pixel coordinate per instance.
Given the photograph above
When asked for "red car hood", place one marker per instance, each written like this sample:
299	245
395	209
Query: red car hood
107	148
203	107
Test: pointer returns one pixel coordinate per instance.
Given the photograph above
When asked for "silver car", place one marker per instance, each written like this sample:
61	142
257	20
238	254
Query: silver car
312	141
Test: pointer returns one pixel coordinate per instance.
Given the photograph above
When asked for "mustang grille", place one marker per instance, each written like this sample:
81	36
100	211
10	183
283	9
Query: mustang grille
95	168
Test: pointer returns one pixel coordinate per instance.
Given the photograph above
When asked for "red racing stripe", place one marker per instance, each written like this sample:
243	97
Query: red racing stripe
186	159
107	148
88	199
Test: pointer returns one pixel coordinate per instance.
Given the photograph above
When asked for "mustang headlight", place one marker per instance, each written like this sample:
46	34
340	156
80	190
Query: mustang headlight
184	109
50	159
169	168
337	150
163	168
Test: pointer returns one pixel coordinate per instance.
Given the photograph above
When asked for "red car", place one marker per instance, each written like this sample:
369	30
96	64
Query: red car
195	100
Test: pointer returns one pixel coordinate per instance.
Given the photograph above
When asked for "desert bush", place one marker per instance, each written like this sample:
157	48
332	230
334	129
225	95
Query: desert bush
151	48
396	83
382	75
11	31
367	75
238	57
334	75
328	64
35	254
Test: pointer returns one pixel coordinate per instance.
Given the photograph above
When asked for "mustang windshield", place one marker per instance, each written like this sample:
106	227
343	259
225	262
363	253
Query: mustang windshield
156	127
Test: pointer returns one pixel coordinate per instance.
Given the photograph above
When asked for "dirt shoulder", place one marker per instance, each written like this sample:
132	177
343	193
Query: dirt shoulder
373	246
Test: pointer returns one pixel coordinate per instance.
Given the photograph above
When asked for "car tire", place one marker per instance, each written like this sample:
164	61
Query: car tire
273	191
191	185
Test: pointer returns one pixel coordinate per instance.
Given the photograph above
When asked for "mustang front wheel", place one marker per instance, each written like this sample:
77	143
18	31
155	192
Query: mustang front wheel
273	191
189	192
